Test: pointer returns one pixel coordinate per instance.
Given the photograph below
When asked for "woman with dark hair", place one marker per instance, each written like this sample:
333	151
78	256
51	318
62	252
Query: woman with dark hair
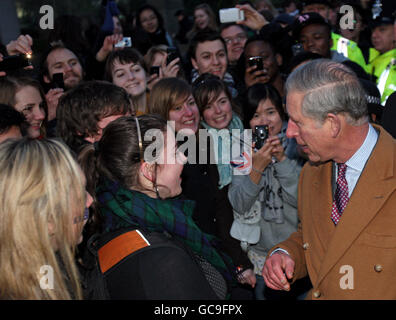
138	179
150	30
127	69
172	99
264	194
217	110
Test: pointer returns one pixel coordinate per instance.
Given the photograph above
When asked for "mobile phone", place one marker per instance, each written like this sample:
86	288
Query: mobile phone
256	61
126	42
297	48
15	62
155	69
260	134
172	54
57	80
231	15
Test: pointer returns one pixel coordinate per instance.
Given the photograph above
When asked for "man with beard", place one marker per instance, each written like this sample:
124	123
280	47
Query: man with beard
59	59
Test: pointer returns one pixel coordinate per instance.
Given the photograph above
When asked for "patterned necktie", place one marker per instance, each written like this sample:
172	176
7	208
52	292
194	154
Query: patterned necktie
341	196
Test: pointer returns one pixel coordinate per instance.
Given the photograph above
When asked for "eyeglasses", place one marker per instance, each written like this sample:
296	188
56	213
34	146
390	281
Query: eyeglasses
82	218
239	38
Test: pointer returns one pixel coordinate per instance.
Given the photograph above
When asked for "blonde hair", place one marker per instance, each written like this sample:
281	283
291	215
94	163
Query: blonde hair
150	55
212	24
40	186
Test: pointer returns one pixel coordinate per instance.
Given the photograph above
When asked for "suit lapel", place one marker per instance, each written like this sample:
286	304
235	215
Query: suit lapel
371	191
321	199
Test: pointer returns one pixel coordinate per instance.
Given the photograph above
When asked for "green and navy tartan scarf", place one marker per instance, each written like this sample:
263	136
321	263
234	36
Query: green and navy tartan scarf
122	207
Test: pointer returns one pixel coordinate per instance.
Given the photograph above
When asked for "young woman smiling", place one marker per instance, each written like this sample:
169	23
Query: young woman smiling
126	69
26	96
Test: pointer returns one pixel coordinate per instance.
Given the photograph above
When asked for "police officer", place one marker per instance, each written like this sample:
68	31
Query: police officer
383	67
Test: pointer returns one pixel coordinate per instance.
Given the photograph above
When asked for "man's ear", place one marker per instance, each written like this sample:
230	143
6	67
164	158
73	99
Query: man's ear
335	123
194	63
279	59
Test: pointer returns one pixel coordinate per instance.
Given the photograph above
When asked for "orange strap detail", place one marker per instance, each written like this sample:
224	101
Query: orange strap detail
119	248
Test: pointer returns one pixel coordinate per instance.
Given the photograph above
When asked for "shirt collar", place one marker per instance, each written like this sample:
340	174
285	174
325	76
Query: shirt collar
359	159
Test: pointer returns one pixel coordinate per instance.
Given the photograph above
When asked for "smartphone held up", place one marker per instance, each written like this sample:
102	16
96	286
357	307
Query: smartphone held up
231	15
57	80
172	54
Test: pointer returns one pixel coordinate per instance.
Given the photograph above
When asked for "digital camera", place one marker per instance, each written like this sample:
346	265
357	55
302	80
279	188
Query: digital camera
126	42
231	15
260	134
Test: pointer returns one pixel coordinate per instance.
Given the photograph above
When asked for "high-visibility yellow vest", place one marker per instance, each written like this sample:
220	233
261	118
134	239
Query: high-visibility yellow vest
383	67
349	49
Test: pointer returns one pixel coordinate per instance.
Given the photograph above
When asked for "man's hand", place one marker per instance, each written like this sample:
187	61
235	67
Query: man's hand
278	269
253	19
253	76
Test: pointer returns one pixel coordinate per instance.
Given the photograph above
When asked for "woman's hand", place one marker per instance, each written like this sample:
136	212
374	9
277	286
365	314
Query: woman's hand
170	70
260	160
263	157
277	149
247	277
152	80
108	46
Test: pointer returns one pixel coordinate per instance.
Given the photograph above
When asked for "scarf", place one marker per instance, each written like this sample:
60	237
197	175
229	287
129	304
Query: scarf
122	207
223	166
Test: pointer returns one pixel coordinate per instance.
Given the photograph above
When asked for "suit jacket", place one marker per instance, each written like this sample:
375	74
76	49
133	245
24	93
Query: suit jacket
357	258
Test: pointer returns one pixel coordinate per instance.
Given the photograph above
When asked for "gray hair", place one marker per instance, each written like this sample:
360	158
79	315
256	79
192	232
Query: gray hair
329	87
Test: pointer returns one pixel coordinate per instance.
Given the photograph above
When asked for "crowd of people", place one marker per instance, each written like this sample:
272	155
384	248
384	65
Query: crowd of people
117	160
